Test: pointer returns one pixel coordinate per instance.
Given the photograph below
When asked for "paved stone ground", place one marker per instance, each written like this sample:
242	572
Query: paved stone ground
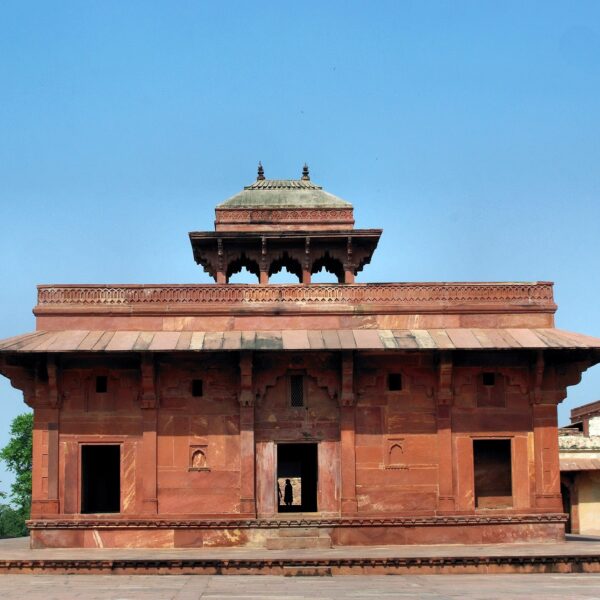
190	587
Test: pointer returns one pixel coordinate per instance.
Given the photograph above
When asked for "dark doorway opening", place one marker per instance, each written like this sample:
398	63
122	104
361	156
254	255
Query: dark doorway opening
297	477
493	473
100	479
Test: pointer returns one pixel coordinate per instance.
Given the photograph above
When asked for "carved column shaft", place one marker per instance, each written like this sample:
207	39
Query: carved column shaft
547	468
306	263
548	389
221	275
445	398
247	447
149	405
348	436
44	478
40	387
349	266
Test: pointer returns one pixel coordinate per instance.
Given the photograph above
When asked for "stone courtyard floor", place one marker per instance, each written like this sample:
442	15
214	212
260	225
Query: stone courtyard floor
360	587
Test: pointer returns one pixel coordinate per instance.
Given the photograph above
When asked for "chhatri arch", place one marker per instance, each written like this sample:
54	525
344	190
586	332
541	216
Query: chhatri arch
291	223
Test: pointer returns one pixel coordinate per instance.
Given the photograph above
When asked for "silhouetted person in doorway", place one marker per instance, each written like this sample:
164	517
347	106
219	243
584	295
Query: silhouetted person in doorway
288	493
279	494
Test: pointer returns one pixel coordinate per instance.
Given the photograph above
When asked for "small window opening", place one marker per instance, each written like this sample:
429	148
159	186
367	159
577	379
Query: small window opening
493	478
100	479
101	384
395	382
489	379
297	390
197	388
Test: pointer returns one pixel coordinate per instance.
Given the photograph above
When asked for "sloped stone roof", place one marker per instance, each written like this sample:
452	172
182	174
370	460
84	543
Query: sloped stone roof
284	193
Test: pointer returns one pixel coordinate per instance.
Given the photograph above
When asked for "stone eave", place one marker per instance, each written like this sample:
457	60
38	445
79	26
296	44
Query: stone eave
285	235
370	340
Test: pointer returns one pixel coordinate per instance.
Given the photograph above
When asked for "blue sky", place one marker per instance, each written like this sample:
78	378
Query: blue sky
469	131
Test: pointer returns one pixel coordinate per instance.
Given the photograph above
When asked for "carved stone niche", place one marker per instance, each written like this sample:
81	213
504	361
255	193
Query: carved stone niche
394	454
198	458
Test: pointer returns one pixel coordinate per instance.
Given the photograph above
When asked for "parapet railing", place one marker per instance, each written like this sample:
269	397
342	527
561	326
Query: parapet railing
536	294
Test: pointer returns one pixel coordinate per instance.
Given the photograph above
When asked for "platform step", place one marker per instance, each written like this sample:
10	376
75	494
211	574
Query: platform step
302	532
297	543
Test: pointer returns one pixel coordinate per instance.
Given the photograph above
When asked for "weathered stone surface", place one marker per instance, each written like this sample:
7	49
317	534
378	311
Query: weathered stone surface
378	400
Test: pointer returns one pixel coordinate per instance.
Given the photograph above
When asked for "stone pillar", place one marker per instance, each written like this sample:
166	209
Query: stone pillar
263	263
149	405
547	389
348	436
547	467
247	448
44	478
40	390
349	266
221	266
306	263
445	396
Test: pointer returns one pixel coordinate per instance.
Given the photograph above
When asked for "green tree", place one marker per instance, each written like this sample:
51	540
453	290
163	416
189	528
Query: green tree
17	455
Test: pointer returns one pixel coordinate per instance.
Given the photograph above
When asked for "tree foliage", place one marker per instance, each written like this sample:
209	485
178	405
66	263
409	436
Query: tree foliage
17	455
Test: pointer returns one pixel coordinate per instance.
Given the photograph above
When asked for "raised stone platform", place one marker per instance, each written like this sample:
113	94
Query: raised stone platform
577	555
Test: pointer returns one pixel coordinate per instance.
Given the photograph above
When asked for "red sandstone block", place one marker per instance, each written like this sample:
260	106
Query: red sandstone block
295	340
164	340
331	339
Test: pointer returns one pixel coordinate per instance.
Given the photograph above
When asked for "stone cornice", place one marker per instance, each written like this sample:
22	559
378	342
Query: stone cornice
158	523
390	298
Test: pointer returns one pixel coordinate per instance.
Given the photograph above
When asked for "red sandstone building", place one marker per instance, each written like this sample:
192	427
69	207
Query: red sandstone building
175	415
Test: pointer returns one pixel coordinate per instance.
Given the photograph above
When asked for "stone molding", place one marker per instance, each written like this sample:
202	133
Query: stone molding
290	215
461	297
432	521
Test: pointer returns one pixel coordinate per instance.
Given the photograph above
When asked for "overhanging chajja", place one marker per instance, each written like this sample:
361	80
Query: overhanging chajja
329	339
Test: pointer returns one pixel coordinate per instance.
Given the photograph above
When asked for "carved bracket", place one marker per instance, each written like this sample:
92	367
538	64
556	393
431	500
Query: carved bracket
21	378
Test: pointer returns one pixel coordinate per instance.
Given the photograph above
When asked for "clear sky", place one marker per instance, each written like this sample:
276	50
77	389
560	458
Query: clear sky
469	131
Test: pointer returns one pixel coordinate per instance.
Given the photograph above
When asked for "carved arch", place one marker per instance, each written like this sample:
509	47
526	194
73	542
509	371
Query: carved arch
236	265
269	378
395	453
292	265
198	459
331	264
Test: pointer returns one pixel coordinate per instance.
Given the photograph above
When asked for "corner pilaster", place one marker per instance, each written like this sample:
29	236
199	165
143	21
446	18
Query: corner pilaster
149	406
445	400
348	435
247	447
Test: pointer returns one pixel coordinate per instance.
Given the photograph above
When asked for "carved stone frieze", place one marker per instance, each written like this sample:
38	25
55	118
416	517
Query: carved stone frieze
456	520
537	295
284	216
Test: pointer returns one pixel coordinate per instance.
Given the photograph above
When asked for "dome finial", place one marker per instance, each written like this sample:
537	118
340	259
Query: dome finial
305	174
261	172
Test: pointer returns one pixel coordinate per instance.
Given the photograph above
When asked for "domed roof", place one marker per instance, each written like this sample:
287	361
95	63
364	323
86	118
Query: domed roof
284	193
